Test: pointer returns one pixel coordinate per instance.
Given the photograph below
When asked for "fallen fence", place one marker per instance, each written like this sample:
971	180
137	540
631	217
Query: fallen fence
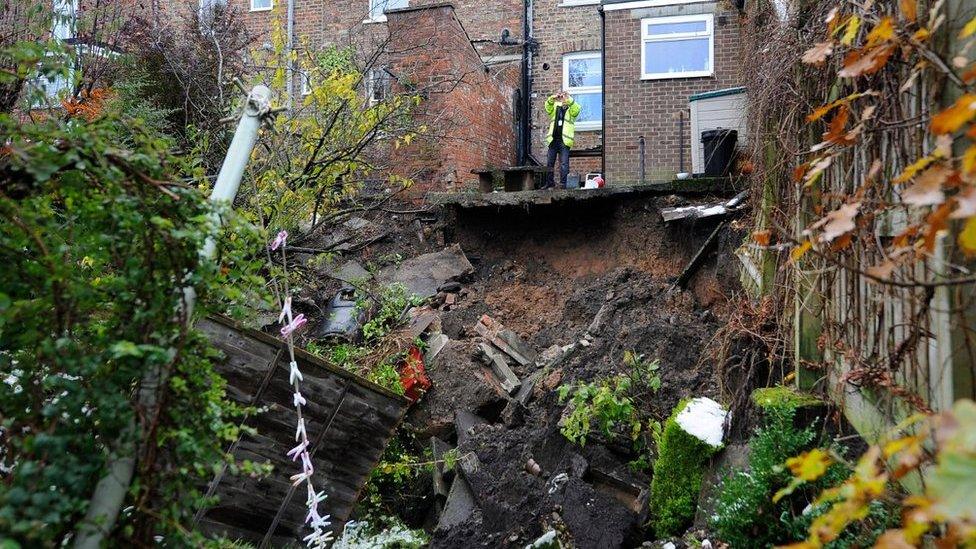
349	421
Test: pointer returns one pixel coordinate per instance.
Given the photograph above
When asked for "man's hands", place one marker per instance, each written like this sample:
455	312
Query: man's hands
562	97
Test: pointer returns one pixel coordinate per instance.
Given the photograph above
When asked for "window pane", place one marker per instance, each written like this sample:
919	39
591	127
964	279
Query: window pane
676	56
585	72
671	28
260	4
591	107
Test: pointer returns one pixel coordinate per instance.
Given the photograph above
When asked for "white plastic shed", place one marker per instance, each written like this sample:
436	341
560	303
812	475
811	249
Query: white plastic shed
713	110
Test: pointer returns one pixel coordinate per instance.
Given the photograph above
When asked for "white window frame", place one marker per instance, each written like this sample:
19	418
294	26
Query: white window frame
386	80
381	18
306	83
575	3
269	8
588	125
709	32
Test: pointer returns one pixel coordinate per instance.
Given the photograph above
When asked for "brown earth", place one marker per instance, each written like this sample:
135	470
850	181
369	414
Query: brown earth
546	273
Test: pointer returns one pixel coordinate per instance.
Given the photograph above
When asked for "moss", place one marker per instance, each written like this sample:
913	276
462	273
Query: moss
678	471
783	398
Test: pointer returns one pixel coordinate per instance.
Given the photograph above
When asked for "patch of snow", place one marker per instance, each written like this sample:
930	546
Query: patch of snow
668	545
704	419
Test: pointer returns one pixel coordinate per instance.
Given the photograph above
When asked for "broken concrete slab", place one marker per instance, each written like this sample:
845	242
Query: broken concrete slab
524	394
420	323
464	422
424	274
505	339
704	210
434	347
460	505
350	272
499	366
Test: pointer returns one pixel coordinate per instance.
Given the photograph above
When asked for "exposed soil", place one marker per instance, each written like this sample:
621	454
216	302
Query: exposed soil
547	274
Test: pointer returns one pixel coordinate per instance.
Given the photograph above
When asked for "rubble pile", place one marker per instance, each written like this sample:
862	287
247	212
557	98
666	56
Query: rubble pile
518	307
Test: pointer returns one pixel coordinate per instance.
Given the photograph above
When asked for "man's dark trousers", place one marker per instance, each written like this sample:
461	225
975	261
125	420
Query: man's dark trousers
557	147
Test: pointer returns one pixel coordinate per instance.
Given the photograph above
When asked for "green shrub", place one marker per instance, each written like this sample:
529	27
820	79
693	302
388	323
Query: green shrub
745	515
678	473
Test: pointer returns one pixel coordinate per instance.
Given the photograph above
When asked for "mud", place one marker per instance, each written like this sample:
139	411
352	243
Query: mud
559	275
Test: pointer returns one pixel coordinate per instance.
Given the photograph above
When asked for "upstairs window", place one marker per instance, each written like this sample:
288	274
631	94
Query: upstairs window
377	85
583	79
378	8
261	5
677	47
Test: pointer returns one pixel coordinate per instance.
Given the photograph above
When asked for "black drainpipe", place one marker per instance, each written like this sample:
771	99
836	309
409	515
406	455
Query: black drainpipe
525	122
603	96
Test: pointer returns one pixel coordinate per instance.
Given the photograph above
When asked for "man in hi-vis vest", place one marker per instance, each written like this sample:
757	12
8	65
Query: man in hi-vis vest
562	111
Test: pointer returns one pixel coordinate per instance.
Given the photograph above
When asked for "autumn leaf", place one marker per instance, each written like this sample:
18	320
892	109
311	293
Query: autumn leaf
838	222
952	118
862	62
909	10
818	53
881	272
914	168
850	32
921	35
842	243
822	110
936	221
800	250
836	130
968	29
927	190
800	171
967	237
806	467
762	237
816	170
882	32
893	539
965	203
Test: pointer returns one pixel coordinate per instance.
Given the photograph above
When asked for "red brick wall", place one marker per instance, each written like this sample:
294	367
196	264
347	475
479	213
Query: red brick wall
467	106
650	108
561	30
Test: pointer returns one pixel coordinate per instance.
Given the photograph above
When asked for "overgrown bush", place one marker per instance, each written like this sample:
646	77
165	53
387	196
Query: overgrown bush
678	473
97	243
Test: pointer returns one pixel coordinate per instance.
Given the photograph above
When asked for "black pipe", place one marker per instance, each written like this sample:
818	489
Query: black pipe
524	145
603	93
681	140
640	144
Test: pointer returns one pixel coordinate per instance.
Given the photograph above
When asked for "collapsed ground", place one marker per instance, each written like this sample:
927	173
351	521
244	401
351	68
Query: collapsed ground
581	284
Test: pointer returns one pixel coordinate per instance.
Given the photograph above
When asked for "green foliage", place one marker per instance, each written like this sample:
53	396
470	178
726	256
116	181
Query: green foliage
393	301
783	398
610	402
745	514
97	245
386	375
678	473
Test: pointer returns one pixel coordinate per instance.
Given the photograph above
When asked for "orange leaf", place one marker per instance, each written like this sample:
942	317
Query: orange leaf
882	32
952	118
818	53
842	243
937	221
967	237
969	74
762	237
799	172
802	249
862	62
921	35
909	9
835	130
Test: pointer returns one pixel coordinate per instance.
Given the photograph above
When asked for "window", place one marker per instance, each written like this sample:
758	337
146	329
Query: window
64	19
306	83
583	79
677	47
261	5
377	85
378	8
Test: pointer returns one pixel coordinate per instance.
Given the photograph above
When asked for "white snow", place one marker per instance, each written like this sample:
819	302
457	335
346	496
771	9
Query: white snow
704	419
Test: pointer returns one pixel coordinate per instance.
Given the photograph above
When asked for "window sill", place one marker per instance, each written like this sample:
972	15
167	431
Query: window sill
572	4
589	127
676	75
370	20
257	10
